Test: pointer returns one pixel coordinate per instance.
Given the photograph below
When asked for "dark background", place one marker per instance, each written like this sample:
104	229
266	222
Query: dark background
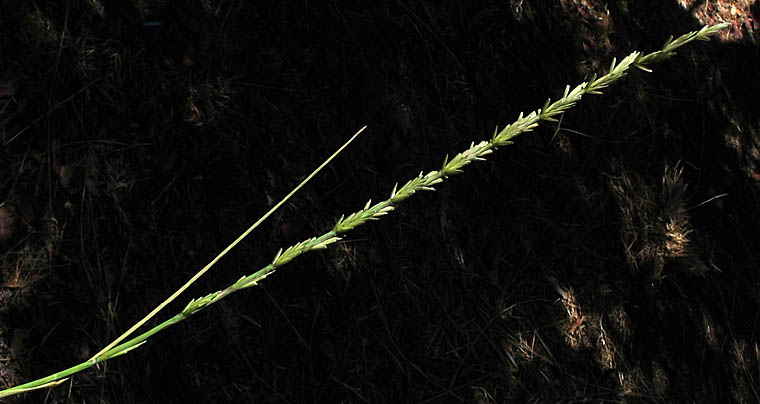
609	258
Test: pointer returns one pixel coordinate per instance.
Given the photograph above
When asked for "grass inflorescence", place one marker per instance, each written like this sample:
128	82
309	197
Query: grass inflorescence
422	182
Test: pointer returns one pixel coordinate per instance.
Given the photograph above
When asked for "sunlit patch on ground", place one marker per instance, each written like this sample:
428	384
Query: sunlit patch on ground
742	14
586	330
593	18
621	322
745	362
576	328
605	349
710	332
744	140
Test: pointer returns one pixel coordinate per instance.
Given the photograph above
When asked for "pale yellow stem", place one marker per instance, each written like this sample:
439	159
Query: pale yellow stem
222	254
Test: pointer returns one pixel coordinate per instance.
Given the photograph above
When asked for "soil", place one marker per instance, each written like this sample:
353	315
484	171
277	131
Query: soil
609	257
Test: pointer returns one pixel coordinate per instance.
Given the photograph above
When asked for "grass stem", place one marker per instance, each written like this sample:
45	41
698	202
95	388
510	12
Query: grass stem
422	182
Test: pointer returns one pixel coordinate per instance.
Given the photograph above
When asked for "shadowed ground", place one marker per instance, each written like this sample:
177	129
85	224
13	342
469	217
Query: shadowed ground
608	258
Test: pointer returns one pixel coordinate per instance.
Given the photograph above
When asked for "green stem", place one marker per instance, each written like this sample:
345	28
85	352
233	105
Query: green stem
219	256
60	377
373	212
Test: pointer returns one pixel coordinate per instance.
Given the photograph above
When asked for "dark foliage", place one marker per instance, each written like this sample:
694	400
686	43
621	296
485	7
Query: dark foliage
612	257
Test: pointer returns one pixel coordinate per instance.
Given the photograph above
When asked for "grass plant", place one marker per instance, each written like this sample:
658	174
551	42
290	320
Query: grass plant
422	182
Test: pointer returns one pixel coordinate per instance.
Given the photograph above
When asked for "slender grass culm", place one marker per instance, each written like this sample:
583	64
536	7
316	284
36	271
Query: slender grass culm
477	151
